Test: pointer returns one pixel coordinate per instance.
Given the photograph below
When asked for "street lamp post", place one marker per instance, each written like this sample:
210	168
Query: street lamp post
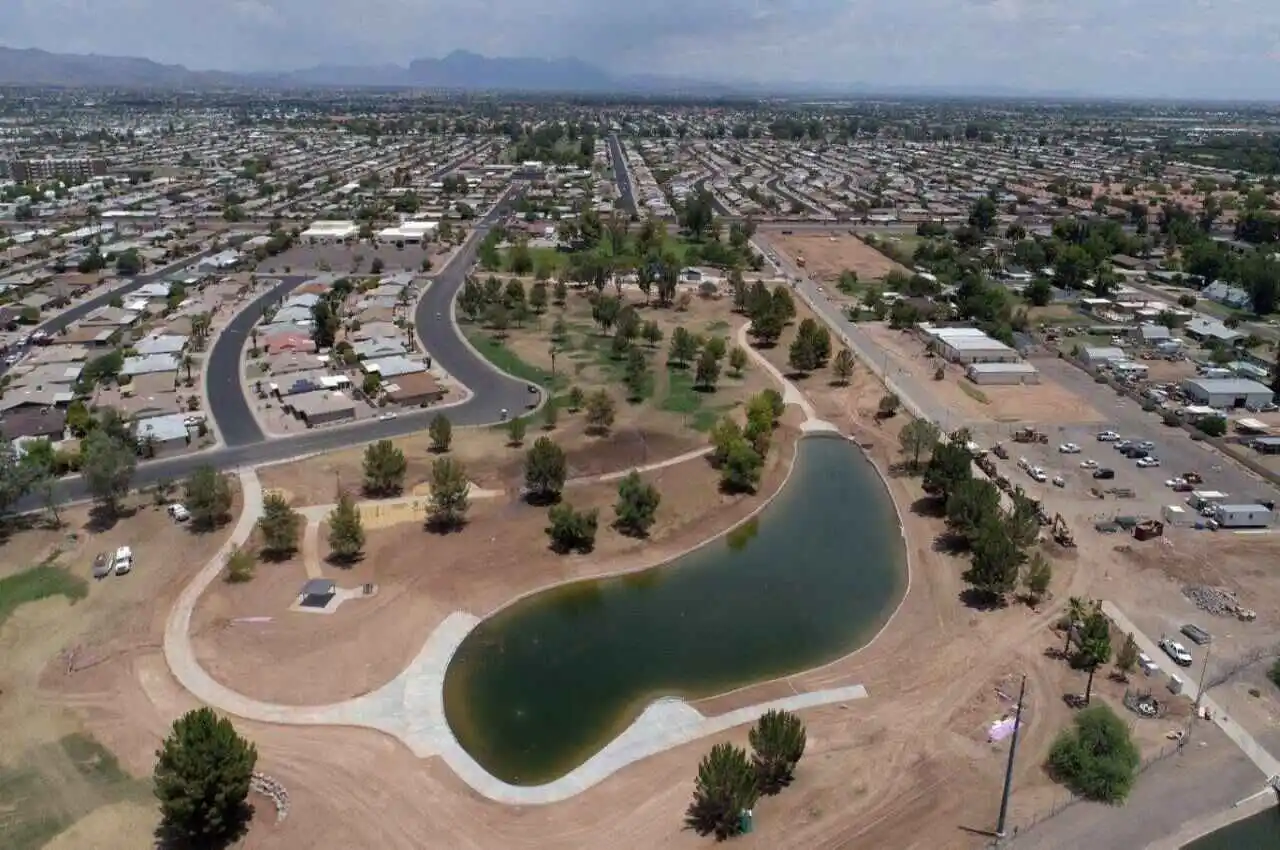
1008	771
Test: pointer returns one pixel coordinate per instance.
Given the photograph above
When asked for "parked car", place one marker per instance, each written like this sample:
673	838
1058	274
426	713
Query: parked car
1069	449
1147	446
102	565
1148	462
386	417
122	563
1059	481
1176	651
178	513
1108	436
1088	464
1038	474
1104	473
1146	665
1122	445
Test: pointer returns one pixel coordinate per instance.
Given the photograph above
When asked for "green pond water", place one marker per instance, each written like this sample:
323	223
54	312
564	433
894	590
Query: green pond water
1259	832
542	685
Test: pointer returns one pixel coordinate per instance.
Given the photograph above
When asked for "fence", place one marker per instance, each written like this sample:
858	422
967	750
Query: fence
1020	831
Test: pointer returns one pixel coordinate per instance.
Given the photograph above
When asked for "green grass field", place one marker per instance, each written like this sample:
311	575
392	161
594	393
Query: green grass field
39	583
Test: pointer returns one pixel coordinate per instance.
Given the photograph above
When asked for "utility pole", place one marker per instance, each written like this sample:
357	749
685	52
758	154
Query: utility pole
1008	771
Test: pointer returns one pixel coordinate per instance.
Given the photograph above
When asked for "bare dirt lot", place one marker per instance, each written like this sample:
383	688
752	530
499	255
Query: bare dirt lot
1031	403
49	768
827	255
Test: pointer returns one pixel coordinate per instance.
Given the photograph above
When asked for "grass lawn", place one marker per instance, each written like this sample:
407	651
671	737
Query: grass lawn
55	784
39	583
506	360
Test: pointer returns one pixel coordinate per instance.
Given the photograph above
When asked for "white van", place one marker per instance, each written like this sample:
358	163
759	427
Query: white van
123	561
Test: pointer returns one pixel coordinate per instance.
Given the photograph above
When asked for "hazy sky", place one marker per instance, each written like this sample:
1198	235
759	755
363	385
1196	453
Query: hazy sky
1191	48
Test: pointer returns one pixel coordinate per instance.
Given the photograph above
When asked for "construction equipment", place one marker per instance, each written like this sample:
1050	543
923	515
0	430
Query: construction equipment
1148	529
1030	435
1061	534
1191	478
1000	451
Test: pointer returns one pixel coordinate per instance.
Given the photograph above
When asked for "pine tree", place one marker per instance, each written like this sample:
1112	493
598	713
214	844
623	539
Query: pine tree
202	778
346	530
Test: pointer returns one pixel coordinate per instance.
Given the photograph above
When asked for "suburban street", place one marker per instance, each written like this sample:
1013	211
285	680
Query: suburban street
620	175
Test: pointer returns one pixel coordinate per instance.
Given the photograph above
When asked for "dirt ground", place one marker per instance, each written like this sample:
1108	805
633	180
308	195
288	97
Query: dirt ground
908	767
423	577
1032	403
827	255
51	643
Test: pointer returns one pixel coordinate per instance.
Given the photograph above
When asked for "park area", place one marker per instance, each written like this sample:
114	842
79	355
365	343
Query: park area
827	255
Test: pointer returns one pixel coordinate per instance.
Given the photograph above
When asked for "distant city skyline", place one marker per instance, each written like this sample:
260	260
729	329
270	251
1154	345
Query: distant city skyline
1222	49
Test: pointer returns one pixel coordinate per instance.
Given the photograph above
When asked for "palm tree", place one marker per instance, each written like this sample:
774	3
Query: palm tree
1095	645
777	741
1076	608
187	362
724	789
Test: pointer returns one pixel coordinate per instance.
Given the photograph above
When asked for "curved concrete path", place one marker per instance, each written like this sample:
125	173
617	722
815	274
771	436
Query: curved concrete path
411	706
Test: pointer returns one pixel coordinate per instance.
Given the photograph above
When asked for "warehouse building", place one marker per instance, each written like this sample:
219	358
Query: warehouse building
409	231
1003	373
969	345
1227	392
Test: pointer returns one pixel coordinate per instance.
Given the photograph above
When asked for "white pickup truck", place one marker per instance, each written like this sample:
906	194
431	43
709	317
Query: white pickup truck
122	561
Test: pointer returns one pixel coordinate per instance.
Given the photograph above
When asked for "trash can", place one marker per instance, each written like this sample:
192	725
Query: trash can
747	820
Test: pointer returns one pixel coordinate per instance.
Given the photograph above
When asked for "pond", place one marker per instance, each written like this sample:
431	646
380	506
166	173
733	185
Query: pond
1258	832
539	687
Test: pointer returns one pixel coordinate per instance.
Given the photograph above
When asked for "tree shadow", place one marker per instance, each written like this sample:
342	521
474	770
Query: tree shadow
981	600
838	383
793	375
541	500
102	518
445	527
343	562
948	543
928	506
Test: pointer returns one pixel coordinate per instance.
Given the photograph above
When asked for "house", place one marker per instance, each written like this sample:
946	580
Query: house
167	431
156	290
286	338
150	364
1153	334
219	261
160	344
1094	355
48	375
393	367
374	330
289	362
1205	329
1225	293
302	383
301	299
374	349
26	398
108	317
415	390
322	408
33	423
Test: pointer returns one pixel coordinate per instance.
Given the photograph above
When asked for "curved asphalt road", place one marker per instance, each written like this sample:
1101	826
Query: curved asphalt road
244	442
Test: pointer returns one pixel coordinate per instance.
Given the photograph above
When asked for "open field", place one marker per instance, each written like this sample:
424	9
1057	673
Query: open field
826	255
1032	403
61	626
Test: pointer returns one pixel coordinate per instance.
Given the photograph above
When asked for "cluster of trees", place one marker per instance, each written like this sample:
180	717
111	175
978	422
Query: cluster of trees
769	311
738	451
502	306
730	781
326	314
998	540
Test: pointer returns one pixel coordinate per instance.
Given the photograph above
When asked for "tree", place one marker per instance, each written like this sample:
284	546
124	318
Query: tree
207	496
516	430
1038	575
777	743
600	412
888	406
572	530
576	398
538	297
108	464
240	565
651	333
724	434
803	355
1095	645
202	778
917	437
636	376
724	789
1127	657
982	216
971	504
997	558
346	530
843	366
441	431
447	509
637	505
1039	292
280	526
1077	607
16	474
545	470
384	469
708	370
740	472
1096	758
683	347
550	412
949	465
737	361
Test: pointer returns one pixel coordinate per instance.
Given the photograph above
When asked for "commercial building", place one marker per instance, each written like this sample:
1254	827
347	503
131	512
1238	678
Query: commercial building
1003	373
332	231
409	231
49	168
1227	392
969	345
1102	355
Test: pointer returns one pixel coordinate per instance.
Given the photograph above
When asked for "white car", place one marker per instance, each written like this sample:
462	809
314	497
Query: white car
1039	474
386	417
1069	449
1176	651
178	513
1059	481
1148	462
1108	437
1088	464
122	561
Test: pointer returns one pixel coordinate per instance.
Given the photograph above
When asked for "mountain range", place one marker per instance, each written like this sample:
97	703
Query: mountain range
459	71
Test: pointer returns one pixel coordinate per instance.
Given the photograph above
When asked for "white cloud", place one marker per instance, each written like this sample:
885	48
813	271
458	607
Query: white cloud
1222	48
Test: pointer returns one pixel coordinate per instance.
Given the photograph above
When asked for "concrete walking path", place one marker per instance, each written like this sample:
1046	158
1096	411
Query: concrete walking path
1255	752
